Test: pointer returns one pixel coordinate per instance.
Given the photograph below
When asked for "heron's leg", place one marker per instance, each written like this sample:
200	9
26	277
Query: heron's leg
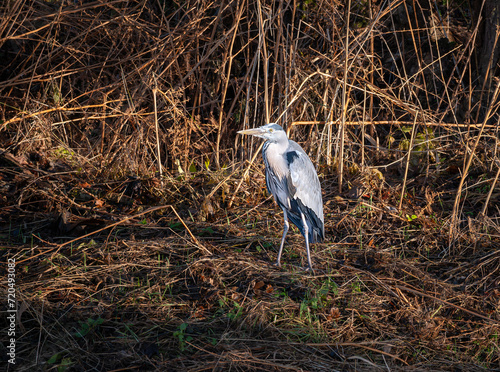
285	230
306	236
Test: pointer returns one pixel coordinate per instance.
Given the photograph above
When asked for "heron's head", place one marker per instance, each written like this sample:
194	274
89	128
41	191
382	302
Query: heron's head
271	132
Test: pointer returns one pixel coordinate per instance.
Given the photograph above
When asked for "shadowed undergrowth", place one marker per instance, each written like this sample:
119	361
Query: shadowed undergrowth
166	292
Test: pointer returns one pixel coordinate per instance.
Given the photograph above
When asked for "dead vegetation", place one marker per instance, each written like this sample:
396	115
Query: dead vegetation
141	228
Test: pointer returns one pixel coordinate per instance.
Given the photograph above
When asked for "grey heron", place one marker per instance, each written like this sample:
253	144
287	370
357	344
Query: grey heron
292	179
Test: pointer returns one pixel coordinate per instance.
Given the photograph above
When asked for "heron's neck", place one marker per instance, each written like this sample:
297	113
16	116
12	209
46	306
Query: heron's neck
280	145
275	159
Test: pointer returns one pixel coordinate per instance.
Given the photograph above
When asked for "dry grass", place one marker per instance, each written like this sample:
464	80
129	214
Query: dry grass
141	228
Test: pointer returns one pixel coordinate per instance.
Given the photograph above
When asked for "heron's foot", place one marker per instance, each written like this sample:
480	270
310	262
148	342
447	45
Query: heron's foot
309	269
277	263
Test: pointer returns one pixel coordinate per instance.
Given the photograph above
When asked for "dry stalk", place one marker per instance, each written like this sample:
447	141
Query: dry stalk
263	50
468	163
408	157
155	90
344	99
227	76
492	187
398	123
245	175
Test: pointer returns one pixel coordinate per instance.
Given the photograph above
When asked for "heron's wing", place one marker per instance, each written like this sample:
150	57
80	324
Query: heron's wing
304	186
277	175
280	187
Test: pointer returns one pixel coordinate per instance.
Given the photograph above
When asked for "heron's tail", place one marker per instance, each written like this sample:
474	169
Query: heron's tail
315	225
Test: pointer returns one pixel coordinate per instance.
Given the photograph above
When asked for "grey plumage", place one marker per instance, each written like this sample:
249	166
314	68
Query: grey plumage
292	179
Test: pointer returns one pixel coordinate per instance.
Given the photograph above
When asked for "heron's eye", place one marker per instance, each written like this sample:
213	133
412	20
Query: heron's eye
271	130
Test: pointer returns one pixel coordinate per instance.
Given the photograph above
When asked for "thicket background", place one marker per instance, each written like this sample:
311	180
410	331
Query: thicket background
109	108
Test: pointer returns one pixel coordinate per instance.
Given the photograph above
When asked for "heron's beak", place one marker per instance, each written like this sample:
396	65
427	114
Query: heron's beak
253	131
